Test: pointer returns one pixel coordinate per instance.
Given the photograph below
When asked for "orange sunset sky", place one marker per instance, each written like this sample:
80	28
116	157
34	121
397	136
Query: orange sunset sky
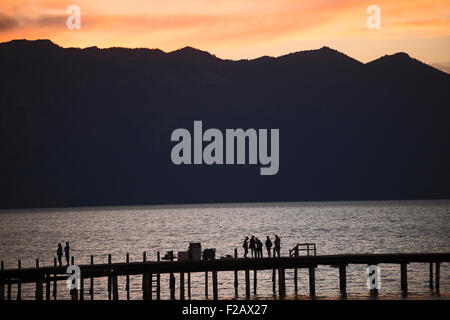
238	29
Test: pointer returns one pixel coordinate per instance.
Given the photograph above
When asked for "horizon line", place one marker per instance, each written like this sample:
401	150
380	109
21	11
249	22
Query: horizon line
212	204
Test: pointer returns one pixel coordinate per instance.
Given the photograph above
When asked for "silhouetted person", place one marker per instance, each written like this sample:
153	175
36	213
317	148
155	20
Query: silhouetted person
59	253
245	246
252	246
277	245
259	246
67	252
268	246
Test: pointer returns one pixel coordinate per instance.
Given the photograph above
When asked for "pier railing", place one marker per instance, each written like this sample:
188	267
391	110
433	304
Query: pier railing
308	247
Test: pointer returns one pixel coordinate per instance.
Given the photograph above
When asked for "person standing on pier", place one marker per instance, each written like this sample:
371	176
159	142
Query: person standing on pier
245	246
268	246
59	253
277	245
259	246
253	246
67	252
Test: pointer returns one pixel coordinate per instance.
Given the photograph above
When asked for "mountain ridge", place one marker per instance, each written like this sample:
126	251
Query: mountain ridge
191	52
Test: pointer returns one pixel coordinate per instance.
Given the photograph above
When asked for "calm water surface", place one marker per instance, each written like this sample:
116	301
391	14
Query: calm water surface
336	228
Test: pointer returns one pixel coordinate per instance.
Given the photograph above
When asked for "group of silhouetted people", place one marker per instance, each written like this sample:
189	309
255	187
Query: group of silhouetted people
256	247
59	253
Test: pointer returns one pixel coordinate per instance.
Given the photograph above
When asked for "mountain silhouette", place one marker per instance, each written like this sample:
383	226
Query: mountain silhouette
83	127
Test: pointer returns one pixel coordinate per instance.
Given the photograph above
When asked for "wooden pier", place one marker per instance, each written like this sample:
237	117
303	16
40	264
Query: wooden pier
152	270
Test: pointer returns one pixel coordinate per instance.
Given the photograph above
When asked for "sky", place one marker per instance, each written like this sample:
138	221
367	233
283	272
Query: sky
240	29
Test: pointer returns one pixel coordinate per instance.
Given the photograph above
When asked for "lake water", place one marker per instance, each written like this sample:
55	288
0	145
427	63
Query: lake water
335	227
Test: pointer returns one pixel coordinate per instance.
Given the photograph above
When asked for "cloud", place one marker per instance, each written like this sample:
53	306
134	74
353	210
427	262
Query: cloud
48	20
7	22
209	27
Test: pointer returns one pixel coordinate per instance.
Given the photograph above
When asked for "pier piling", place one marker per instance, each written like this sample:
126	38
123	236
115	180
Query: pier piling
206	284
255	281
431	276
247	284
404	278
54	280
144	258
295	272
236	281
172	282
373	291
75	290
47	282
274	281
9	289
172	286
236	284
39	293
295	281
19	285
150	286
312	281
189	285
74	295
146	284
438	274
91	287
146	281
281	283
115	287
343	280
158	279
181	285
127	279
81	287
109	278
215	293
